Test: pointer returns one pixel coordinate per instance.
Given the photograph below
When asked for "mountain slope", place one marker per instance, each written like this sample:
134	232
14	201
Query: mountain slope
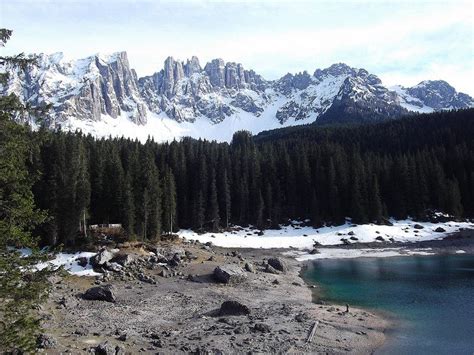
102	95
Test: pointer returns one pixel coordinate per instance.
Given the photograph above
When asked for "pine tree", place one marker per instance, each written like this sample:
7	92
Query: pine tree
225	197
213	216
375	203
128	207
21	290
169	201
452	199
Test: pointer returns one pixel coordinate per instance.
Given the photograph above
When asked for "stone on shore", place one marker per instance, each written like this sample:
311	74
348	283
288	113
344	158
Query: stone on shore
233	308
102	257
278	264
100	293
230	274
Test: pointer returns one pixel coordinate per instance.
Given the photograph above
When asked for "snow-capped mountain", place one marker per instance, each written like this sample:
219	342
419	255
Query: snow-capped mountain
102	95
83	89
432	95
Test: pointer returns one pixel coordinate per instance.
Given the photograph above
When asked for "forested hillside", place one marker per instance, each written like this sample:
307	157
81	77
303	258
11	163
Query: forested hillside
399	168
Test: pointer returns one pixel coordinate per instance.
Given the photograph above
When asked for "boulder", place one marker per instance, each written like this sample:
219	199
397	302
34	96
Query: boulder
271	270
123	259
104	255
278	264
104	349
145	278
440	230
262	327
301	317
82	261
45	341
418	226
230	274
115	267
249	267
100	293
175	261
233	308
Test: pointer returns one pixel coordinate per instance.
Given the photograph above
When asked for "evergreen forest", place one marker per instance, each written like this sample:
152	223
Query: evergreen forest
402	168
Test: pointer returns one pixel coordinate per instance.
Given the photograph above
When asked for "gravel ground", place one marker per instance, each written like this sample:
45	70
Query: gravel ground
179	314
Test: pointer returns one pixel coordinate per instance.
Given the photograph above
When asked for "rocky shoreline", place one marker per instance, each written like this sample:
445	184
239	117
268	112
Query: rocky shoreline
188	297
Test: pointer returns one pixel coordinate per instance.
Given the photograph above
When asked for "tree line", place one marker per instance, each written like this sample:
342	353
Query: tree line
325	174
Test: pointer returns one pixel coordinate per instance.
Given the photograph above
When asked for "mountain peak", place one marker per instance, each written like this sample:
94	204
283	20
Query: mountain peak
336	69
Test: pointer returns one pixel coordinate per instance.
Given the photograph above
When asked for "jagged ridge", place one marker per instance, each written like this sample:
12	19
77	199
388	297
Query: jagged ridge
87	89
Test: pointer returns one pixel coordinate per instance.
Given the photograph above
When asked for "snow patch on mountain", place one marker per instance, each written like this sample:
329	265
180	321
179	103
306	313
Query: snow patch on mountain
409	102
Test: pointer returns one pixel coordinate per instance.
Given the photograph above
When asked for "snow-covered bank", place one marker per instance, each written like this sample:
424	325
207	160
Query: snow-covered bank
299	237
301	241
339	253
71	264
69	261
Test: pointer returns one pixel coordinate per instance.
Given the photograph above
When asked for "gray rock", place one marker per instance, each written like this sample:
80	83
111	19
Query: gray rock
82	261
102	257
301	317
278	264
262	327
418	226
45	341
249	267
115	267
242	329
271	270
440	230
100	293
104	349
230	274
145	278
123	259
233	308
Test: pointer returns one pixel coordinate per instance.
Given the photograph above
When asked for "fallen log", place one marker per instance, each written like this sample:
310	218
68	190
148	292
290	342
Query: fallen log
313	331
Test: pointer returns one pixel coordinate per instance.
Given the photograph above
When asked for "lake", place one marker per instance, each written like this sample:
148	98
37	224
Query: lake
432	297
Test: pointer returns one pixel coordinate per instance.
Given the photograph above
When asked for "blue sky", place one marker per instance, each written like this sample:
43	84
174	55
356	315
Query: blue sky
401	41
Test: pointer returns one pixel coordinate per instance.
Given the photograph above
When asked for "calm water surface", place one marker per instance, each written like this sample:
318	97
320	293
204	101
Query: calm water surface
433	296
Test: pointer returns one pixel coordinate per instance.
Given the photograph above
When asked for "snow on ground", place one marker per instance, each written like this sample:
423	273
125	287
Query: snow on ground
294	236
67	260
303	238
299	239
338	253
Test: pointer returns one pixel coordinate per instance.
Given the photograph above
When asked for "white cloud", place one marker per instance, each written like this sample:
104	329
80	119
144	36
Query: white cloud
398	40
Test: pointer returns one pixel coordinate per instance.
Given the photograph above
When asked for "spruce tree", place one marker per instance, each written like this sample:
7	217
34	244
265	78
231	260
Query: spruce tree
213	211
21	289
169	201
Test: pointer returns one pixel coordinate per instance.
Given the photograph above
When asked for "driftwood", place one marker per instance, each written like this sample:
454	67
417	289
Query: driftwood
313	331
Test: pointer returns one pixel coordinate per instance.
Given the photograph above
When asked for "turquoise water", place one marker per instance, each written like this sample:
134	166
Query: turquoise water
432	296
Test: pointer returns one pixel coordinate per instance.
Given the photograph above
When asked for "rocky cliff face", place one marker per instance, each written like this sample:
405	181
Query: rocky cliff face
439	95
104	87
84	89
185	91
